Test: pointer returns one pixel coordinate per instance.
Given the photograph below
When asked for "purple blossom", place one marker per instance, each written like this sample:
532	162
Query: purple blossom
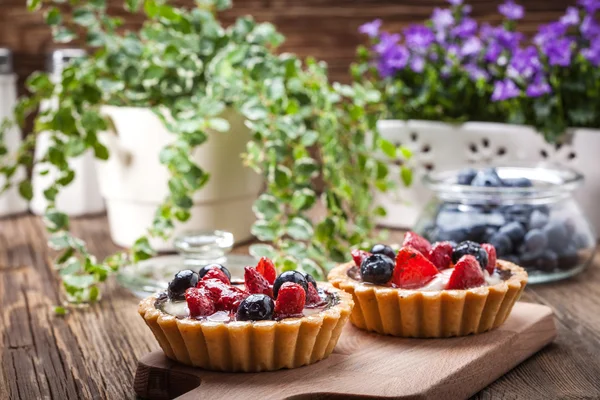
386	42
393	59
371	29
524	63
476	73
592	54
493	52
418	37
591	6
465	29
455	2
549	32
417	64
442	18
467	9
558	51
589	28
511	10
471	46
538	87
504	90
571	17
508	39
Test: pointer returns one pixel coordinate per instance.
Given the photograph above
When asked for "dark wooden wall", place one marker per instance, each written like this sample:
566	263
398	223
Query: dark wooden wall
325	29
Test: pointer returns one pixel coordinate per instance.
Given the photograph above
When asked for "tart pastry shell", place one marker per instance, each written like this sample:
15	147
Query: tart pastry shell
249	346
430	314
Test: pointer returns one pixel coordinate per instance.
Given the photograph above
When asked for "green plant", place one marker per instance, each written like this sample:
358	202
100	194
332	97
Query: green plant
188	68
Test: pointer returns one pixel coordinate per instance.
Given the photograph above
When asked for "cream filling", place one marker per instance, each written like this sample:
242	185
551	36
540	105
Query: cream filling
440	281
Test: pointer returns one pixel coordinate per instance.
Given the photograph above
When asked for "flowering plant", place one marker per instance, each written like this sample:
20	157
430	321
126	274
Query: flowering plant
453	69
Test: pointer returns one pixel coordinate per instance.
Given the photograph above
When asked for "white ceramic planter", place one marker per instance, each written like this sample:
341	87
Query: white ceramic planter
134	183
440	146
10	202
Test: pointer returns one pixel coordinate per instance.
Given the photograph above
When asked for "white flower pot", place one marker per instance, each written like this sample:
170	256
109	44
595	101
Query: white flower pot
10	201
134	183
441	146
81	197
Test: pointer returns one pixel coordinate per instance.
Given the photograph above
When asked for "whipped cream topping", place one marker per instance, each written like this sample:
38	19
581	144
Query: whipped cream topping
440	281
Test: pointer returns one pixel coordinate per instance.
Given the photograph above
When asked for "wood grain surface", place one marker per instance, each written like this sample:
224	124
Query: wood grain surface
365	364
326	29
92	353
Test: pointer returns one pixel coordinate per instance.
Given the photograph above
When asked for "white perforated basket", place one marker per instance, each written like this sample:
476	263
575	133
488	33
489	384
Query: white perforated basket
440	146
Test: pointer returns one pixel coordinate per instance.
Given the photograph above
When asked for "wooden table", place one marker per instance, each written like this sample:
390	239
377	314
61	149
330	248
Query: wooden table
92	353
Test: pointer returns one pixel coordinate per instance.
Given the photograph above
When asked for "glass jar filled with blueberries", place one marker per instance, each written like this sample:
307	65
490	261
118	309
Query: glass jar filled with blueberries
527	212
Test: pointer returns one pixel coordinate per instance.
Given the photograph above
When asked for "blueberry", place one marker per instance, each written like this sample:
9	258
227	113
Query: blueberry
514	230
512	258
557	233
383	249
537	220
547	261
518	212
208	267
517	182
289	276
568	258
535	241
181	282
502	243
256	307
476	233
569	224
581	241
489	232
454	235
530	260
487	178
470	248
309	279
465	176
377	268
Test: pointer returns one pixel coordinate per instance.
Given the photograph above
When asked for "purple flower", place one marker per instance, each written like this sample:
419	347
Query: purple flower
386	42
549	32
511	10
465	29
467	9
508	39
593	53
371	29
441	18
476	73
538	87
558	51
393	59
418	37
571	17
417	64
591	6
493	52
524	63
589	28
455	2
504	90
471	46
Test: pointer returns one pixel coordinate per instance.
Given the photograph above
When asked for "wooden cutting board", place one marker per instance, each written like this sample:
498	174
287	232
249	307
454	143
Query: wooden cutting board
368	365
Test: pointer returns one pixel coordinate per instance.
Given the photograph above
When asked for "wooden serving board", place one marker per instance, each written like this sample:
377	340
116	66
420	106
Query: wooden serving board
368	365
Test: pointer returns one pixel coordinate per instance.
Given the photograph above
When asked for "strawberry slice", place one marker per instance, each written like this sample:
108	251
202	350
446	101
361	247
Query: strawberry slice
216	273
256	283
267	269
492	257
213	288
359	255
199	303
417	242
291	299
441	255
412	269
231	299
467	274
312	296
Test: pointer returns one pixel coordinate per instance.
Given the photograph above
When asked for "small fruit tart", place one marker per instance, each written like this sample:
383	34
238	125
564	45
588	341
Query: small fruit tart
430	291
264	323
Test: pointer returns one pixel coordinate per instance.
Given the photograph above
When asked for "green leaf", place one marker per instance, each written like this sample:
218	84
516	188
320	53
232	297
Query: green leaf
34	5
218	124
406	175
266	207
56	220
309	138
83	17
263	230
100	151
142	250
303	200
263	250
63	35
78	281
133	5
26	190
53	16
60	311
405	152
300	229
387	147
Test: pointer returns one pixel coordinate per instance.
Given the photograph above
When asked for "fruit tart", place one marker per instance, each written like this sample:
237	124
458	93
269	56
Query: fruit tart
263	323
430	291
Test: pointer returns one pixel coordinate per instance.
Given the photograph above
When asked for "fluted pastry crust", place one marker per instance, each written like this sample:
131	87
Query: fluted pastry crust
249	346
430	314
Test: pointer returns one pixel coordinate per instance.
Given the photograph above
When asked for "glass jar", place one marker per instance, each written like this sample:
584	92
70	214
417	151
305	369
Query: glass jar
540	228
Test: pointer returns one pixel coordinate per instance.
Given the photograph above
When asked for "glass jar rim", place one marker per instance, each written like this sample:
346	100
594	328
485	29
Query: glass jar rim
550	180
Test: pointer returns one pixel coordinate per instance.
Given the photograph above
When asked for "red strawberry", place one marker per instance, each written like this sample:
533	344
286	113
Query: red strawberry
312	296
492	258
199	303
213	288
216	273
230	299
412	269
417	242
290	300
467	274
441	255
256	283
267	269
359	255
